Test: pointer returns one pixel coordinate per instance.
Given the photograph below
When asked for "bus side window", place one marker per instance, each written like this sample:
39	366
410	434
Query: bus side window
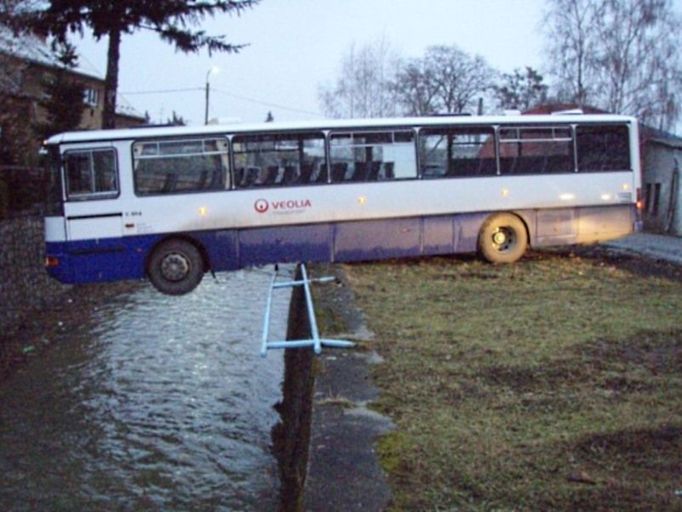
91	174
603	148
536	150
373	156
179	166
457	153
274	160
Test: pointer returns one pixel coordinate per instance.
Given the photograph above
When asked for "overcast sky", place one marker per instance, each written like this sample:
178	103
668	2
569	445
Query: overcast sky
296	45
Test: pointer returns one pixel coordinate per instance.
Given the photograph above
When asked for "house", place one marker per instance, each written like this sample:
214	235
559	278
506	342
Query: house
26	62
661	174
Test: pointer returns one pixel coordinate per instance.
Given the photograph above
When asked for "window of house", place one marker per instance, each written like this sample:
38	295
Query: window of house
372	156
180	166
272	160
91	96
91	174
461	152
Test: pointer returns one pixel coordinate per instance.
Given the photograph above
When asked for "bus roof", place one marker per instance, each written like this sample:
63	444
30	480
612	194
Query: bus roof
326	124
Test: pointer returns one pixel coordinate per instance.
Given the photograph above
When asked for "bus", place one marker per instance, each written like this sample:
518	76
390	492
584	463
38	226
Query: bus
172	203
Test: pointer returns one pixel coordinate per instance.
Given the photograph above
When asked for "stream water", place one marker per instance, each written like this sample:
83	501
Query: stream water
149	403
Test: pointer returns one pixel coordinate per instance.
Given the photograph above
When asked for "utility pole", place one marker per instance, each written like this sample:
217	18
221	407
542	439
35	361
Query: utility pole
213	71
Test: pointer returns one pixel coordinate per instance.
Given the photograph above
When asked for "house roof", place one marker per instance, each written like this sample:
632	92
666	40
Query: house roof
35	50
653	135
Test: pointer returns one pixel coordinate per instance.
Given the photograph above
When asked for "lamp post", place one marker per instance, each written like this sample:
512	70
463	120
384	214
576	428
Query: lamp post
214	70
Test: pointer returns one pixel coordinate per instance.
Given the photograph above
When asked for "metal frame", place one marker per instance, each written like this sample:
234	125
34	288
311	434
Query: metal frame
316	342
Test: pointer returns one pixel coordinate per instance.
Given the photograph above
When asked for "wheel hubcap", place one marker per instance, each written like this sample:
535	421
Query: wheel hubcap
504	239
175	267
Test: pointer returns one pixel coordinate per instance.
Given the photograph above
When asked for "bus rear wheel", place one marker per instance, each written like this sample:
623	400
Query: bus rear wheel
175	267
503	238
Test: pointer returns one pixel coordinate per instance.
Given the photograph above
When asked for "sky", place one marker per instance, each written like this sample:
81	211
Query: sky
294	46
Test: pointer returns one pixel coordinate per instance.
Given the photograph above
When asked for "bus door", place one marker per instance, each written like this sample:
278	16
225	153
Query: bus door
91	188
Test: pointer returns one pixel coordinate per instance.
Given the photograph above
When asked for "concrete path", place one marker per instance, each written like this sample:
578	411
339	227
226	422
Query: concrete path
660	247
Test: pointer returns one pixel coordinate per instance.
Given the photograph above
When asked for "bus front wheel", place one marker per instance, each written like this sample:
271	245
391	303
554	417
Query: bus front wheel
175	267
503	238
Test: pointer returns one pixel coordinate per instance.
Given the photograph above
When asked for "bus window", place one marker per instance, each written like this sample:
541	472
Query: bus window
603	148
267	160
536	150
180	166
457	152
372	156
91	174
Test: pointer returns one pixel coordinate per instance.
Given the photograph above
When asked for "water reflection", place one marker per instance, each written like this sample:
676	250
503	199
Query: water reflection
152	403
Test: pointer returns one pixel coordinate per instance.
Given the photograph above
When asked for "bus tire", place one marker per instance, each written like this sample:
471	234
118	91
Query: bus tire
175	267
503	238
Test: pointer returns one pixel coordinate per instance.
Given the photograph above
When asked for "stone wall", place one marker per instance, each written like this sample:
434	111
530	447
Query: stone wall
291	436
25	287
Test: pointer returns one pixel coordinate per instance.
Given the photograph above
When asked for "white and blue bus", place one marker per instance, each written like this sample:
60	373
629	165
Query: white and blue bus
170	204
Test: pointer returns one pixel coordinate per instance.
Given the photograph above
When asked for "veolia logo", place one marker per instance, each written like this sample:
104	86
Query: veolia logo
261	205
289	205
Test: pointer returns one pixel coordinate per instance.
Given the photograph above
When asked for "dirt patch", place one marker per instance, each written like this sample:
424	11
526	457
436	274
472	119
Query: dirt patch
656	351
638	265
526	379
629	470
646	449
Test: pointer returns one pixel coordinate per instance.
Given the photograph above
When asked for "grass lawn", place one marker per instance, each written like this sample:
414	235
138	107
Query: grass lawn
551	384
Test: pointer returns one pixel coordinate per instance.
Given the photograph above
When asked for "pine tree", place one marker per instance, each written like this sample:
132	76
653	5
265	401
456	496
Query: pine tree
63	101
170	19
521	90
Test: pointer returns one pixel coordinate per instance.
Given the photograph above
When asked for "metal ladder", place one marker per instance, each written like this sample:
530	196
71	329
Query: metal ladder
316	342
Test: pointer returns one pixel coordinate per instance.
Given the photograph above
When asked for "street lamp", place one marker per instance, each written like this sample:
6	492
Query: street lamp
213	71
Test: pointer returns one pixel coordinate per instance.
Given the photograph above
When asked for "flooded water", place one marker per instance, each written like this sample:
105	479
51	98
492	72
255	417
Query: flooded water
150	403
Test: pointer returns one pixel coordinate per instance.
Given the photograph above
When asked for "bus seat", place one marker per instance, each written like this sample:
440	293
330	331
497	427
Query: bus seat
170	183
217	182
251	176
271	175
238	176
373	174
306	173
289	175
359	171
339	171
388	170
203	178
488	167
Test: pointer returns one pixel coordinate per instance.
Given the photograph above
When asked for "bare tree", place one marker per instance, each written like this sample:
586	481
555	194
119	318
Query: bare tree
414	89
458	77
619	55
363	88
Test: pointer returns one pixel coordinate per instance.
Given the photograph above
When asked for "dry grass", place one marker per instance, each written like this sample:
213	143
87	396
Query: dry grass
554	383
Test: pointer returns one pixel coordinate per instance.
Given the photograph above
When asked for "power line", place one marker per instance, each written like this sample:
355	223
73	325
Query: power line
163	91
266	103
226	93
